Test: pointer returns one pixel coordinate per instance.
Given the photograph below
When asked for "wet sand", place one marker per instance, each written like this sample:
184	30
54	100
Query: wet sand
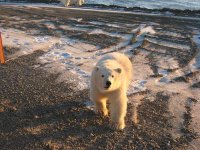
37	112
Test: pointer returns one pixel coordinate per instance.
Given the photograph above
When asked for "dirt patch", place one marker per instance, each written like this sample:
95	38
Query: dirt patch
196	85
188	77
9	51
100	40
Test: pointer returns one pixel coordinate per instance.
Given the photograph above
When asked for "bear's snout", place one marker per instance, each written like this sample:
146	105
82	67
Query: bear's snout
108	84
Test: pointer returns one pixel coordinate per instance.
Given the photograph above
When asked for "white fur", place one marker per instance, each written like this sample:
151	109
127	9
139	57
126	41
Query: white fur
72	2
116	68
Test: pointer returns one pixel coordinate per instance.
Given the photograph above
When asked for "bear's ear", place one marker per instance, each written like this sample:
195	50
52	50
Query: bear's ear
119	70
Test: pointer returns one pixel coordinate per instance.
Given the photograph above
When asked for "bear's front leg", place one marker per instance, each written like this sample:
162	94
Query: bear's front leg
100	107
99	102
118	109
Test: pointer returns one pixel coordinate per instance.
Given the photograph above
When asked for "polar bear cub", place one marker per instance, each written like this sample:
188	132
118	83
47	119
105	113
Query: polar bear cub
72	2
110	79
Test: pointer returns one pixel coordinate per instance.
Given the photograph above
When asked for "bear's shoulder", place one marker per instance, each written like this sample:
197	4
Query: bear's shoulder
114	58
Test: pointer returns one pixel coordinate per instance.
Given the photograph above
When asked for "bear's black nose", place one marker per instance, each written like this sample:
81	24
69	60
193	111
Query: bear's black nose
108	83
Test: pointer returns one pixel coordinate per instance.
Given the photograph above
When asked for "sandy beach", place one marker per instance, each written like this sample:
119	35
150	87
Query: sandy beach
50	52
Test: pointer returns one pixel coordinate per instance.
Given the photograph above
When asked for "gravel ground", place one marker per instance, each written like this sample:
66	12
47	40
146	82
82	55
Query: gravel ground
36	112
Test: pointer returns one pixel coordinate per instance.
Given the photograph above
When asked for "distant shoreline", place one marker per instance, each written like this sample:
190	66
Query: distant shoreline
167	11
163	11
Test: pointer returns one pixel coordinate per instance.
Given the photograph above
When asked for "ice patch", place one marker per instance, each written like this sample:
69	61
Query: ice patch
76	19
69	56
167	63
196	39
113	25
41	39
173	34
148	29
137	86
96	23
197	61
164	80
65	55
67	41
66	27
89	105
126	45
82	85
140	34
143	29
163	72
99	31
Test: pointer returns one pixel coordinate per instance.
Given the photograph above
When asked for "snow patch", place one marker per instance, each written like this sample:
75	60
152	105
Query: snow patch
42	39
76	19
196	62
137	86
89	105
148	29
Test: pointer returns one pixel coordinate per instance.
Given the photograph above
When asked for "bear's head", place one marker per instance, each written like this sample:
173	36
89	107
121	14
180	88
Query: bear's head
108	79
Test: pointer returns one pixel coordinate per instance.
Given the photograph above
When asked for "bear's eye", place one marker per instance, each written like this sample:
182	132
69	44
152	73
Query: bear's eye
112	76
102	76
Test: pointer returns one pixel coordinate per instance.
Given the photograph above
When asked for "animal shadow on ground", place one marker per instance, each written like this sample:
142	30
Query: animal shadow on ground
35	109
